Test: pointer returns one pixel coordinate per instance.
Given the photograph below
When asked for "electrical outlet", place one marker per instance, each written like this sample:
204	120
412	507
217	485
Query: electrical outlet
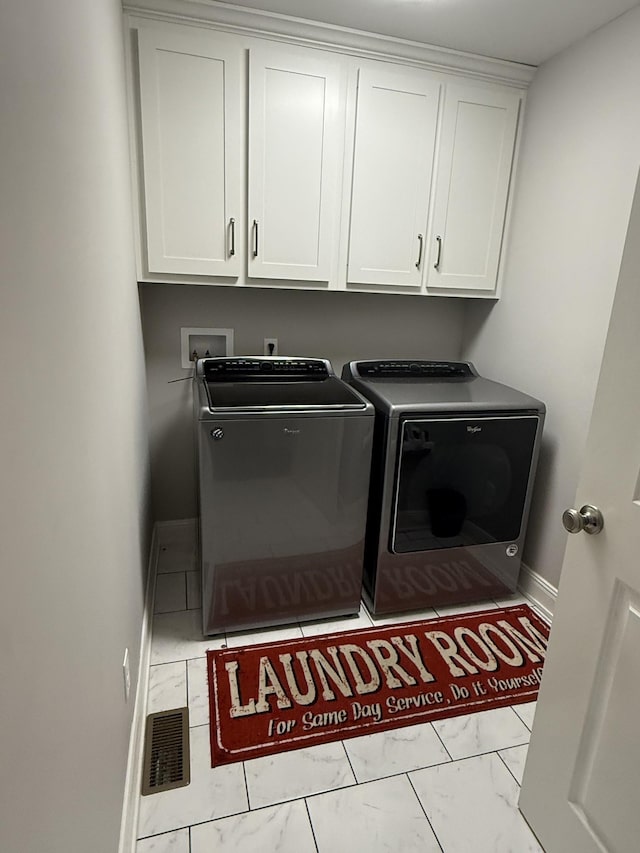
271	346
126	671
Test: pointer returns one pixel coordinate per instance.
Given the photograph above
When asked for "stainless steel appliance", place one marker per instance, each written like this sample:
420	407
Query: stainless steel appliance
284	454
452	473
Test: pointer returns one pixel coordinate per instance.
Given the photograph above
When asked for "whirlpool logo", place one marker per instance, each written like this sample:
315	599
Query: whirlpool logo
474	429
288	431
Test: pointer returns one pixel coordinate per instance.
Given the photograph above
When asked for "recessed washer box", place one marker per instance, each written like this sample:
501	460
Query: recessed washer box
211	342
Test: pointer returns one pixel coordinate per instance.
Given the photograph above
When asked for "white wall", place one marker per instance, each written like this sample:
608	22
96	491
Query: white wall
578	168
337	326
73	443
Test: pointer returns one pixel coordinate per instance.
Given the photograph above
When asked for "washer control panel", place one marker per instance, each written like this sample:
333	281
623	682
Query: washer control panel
268	368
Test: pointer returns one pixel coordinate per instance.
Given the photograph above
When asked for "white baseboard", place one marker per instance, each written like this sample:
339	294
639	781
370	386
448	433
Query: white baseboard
164	532
539	591
131	800
170	531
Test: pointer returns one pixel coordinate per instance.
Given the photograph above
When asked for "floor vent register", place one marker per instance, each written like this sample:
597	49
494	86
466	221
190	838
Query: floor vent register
166	752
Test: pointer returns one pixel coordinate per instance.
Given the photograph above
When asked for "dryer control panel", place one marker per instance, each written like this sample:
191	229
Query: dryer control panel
410	369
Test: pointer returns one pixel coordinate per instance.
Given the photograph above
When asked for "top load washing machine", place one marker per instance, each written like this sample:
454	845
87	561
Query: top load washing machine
284	455
454	457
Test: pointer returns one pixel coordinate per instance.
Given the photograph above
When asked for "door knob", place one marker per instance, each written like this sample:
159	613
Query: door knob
589	519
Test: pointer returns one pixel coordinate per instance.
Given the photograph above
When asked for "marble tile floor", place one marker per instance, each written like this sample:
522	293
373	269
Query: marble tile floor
450	786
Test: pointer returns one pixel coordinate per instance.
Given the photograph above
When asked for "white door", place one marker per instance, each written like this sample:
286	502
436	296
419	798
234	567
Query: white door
296	134
581	789
473	174
393	160
190	102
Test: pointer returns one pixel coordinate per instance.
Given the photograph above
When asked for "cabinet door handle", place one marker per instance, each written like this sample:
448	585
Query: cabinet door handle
255	238
420	243
232	225
437	263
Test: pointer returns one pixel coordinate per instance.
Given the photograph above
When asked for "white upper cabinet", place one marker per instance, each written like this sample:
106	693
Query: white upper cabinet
261	161
190	102
471	188
296	135
395	135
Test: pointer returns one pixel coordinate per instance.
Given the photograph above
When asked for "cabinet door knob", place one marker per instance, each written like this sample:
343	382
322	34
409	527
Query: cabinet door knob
437	263
420	242
255	238
232	226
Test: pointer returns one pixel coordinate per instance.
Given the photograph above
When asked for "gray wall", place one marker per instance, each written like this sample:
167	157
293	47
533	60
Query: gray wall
578	169
73	444
338	326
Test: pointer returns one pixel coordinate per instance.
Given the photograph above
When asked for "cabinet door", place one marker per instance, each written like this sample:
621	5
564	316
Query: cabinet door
473	173
295	136
393	159
190	103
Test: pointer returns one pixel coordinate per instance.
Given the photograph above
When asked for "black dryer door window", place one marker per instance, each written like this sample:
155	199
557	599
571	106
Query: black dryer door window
461	481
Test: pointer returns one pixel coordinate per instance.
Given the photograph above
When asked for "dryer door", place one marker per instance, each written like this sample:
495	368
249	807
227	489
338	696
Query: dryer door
461	481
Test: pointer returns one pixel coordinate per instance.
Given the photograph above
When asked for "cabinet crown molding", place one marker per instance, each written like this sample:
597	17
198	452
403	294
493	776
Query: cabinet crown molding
230	18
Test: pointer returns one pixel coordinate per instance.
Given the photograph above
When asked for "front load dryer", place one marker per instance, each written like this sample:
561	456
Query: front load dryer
454	457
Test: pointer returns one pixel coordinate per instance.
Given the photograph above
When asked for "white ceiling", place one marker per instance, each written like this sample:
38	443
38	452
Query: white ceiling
528	31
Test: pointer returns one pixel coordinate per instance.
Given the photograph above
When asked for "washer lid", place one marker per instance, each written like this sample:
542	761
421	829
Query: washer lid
274	383
292	395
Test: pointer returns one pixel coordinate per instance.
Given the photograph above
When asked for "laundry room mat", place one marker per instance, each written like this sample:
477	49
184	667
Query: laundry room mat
274	697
